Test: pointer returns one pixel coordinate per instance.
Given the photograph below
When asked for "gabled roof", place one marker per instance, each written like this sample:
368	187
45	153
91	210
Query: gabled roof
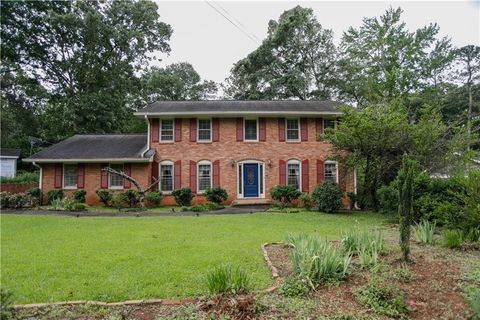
241	107
97	148
10	153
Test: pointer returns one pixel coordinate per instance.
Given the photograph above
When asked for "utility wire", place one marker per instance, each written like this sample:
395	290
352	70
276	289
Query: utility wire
238	22
234	24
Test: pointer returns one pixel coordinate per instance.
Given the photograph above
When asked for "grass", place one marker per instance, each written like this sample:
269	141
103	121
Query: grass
54	258
91	208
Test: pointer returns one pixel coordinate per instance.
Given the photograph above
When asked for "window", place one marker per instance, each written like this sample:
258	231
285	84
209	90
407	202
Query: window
251	130
293	173
114	180
204	130
70	176
329	123
331	173
293	129
204	176
166	176
166	130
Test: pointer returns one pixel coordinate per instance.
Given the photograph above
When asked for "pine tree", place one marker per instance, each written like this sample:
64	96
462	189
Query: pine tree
405	202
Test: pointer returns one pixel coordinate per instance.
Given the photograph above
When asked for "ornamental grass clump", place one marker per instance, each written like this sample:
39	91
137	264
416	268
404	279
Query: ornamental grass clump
356	240
424	232
317	260
227	279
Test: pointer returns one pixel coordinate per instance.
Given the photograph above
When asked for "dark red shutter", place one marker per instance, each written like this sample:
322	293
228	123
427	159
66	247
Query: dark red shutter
154	130
319	128
193	129
58	175
154	170
320	171
178	130
216	173
215	130
304	129
281	129
177	174
193	176
282	172
262	129
127	169
80	175
239	129
103	176
305	176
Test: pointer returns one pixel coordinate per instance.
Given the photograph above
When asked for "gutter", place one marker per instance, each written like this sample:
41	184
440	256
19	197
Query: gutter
148	136
236	113
88	160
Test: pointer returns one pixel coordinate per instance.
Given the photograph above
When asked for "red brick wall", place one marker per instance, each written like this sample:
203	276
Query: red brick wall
17	187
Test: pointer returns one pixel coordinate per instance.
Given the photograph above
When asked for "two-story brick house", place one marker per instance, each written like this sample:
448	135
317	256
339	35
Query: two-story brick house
246	147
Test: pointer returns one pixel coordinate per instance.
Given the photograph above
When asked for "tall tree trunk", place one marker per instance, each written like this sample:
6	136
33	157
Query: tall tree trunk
469	113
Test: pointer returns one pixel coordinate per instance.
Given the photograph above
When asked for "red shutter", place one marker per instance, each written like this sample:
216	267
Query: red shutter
305	176
154	130
239	129
262	129
304	129
178	130
58	175
320	171
177	174
154	170
103	176
281	129
193	129
215	130
80	175
127	169
193	176
341	177
216	173
282	172
319	128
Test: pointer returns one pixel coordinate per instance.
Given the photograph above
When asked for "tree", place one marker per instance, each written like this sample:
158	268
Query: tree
405	203
296	60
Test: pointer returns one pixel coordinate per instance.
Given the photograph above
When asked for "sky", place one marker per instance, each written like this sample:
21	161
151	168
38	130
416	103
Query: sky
207	40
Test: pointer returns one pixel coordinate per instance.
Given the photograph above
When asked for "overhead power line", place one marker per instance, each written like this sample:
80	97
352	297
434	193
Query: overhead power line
238	22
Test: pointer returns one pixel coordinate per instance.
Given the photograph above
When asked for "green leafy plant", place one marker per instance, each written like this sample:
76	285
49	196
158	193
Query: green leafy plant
382	298
19	200
452	238
211	206
403	273
352	197
119	200
62	204
37	195
131	197
474	303
4	199
54	194
79	206
21	177
294	287
424	231
327	196
105	196
286	194
306	201
6	304
183	196
79	195
198	208
216	194
362	239
227	279
368	257
154	198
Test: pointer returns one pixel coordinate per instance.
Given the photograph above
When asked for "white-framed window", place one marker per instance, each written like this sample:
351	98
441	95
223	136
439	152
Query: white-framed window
69	176
250	129
294	173
167	127
166	176
204	129
114	180
329	123
292	128
204	175
331	171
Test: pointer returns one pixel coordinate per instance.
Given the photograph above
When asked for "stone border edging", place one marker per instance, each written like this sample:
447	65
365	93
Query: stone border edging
273	269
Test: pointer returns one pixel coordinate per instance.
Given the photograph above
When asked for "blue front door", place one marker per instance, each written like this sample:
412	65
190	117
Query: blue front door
250	180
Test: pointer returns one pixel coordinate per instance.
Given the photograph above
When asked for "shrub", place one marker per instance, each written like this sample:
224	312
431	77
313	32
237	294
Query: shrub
227	279
183	196
21	177
80	206
131	197
20	200
217	194
327	196
306	201
471	235
452	238
356	240
153	197
4	199
294	287
403	273
62	204
285	193
54	194
382	298
37	195
388	198
211	206
6	304
119	200
424	231
104	196
198	208
79	195
315	260
352	197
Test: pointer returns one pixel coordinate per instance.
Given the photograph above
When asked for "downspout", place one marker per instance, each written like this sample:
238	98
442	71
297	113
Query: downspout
148	136
40	179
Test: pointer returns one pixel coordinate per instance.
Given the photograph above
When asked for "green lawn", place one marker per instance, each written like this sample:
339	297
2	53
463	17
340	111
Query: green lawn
53	258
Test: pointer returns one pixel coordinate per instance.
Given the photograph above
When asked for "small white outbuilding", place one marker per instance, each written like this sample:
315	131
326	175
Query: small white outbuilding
8	162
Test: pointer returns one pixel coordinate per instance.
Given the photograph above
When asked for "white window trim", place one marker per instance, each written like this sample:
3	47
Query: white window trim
199	163
245	131
299	130
109	174
63	177
294	161
160	131
198	130
336	167
166	163
261	166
